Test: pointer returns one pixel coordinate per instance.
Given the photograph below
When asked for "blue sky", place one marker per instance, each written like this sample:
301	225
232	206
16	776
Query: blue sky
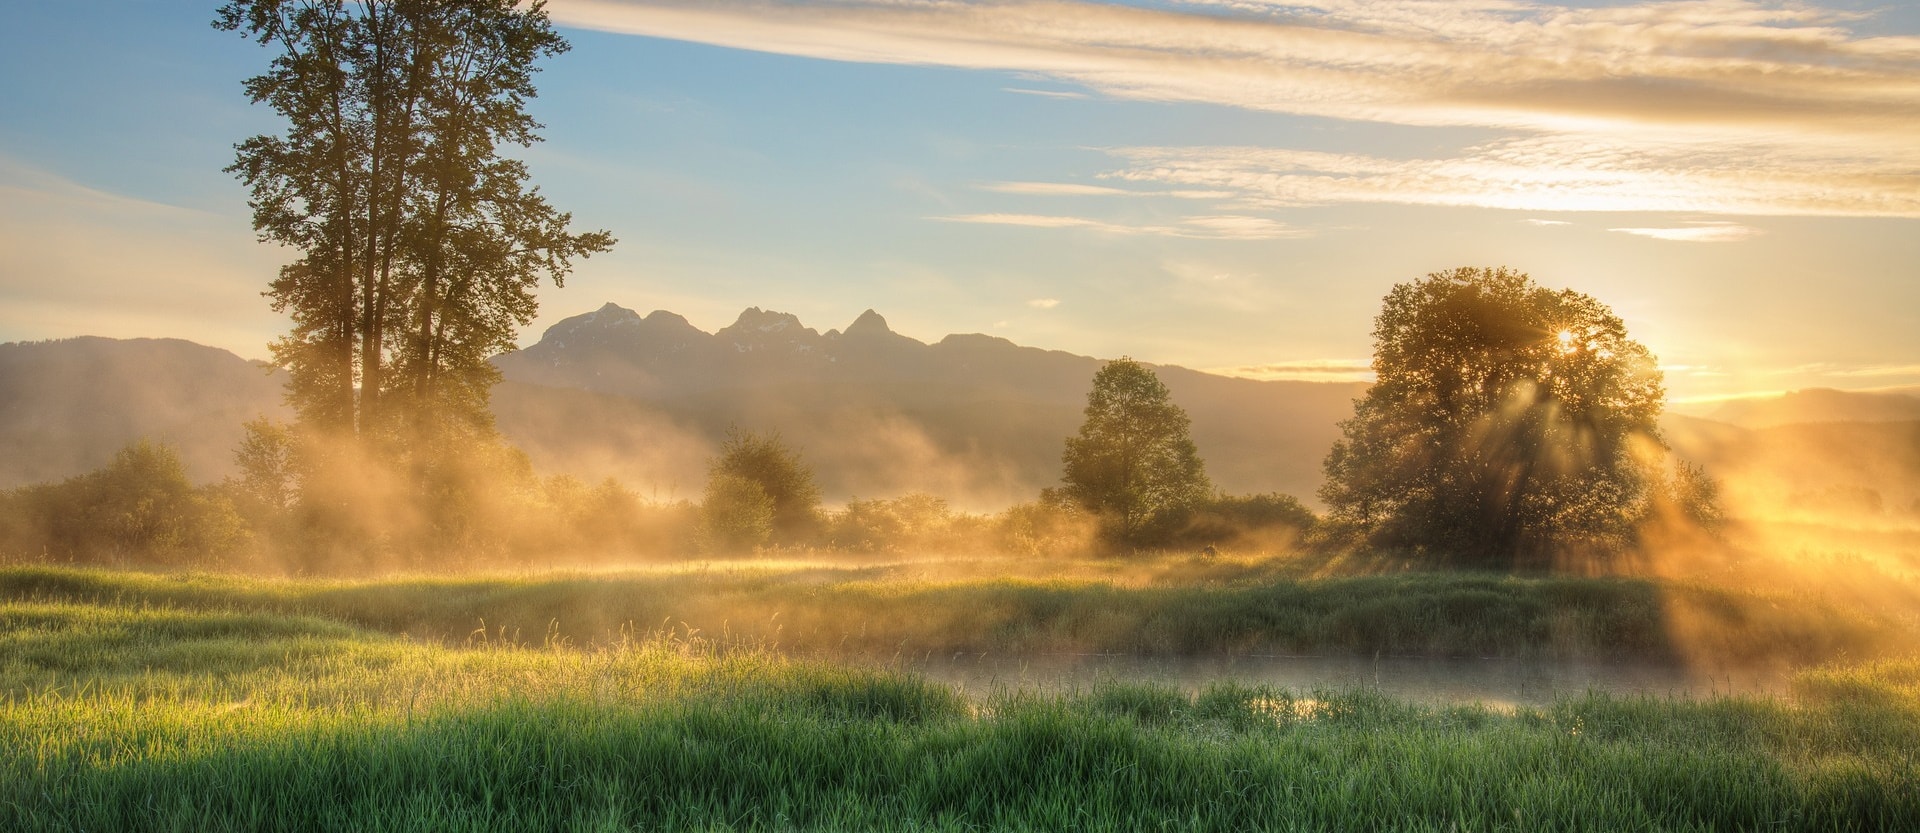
1223	185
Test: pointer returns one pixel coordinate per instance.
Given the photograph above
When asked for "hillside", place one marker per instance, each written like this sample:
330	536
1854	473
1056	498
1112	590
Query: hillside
66	406
974	417
977	419
1818	405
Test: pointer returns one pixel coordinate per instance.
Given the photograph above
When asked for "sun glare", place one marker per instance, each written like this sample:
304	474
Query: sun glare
1566	341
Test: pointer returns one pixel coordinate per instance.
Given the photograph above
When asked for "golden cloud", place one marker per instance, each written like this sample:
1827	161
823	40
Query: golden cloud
1724	106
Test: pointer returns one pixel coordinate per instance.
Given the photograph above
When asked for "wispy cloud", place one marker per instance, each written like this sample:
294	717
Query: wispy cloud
1044	303
1305	370
1078	189
1055	189
75	260
1723	106
1046	221
1536	221
1590	172
1044	93
1238	227
1696	233
1218	227
1880	370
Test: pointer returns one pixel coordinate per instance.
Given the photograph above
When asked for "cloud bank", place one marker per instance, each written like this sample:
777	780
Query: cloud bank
1715	106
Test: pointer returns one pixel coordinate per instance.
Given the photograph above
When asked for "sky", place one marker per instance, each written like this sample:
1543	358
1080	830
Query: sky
1228	185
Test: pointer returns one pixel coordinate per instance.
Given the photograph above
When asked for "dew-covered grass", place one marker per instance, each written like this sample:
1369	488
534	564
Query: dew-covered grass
215	710
904	611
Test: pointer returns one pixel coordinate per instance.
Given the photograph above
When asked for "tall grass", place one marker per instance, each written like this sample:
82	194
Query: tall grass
143	717
872	611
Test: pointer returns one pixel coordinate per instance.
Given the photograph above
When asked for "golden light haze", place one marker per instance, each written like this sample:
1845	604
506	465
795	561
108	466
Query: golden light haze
1230	185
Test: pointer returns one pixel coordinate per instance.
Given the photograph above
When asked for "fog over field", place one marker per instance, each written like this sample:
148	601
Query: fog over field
941	415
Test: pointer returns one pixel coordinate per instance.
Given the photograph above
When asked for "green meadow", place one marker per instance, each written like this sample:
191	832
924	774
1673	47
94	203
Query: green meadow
181	702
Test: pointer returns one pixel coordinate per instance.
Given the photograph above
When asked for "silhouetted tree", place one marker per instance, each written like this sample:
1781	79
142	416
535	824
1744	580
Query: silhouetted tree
419	244
1508	422
1132	463
765	461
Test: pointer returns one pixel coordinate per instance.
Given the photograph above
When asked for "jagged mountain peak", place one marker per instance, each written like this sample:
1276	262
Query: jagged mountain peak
757	329
869	323
757	320
607	317
609	314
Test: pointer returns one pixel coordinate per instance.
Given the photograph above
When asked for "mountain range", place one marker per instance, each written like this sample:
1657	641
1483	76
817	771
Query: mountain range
974	418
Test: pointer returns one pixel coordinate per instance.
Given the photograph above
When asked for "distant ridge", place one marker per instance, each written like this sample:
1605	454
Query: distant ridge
973	416
1818	405
67	405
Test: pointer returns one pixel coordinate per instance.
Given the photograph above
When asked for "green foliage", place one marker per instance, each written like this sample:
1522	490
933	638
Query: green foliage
1050	526
1133	464
140	508
267	460
1509	423
736	515
419	245
419	248
1683	497
1264	521
117	717
910	524
576	519
765	461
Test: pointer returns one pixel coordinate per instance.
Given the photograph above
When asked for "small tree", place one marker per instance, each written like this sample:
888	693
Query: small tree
735	516
1508	423
266	458
1133	464
766	462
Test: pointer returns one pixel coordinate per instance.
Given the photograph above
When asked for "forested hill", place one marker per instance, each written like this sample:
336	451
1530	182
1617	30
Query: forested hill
973	417
977	419
66	406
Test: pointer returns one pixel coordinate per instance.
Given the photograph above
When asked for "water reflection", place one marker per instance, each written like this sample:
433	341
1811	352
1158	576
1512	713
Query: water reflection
1433	681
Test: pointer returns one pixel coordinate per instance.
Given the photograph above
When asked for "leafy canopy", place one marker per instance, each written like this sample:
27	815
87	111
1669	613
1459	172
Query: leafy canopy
1133	463
1509	422
418	244
764	461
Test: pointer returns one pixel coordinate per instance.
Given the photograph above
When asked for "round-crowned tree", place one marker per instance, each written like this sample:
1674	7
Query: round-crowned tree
1133	464
765	461
1509	423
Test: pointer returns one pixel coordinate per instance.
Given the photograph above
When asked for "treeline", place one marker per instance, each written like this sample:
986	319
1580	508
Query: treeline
286	512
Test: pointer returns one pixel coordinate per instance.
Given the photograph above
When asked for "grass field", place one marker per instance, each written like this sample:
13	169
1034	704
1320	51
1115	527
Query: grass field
146	702
1170	609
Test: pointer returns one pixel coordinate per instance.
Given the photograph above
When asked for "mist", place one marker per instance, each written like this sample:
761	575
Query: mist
937	530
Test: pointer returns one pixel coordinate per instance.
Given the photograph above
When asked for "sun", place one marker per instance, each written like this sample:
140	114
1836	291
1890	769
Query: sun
1566	341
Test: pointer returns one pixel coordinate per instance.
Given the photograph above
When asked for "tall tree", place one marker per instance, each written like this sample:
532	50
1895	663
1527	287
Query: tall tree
420	247
1133	463
1508	422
